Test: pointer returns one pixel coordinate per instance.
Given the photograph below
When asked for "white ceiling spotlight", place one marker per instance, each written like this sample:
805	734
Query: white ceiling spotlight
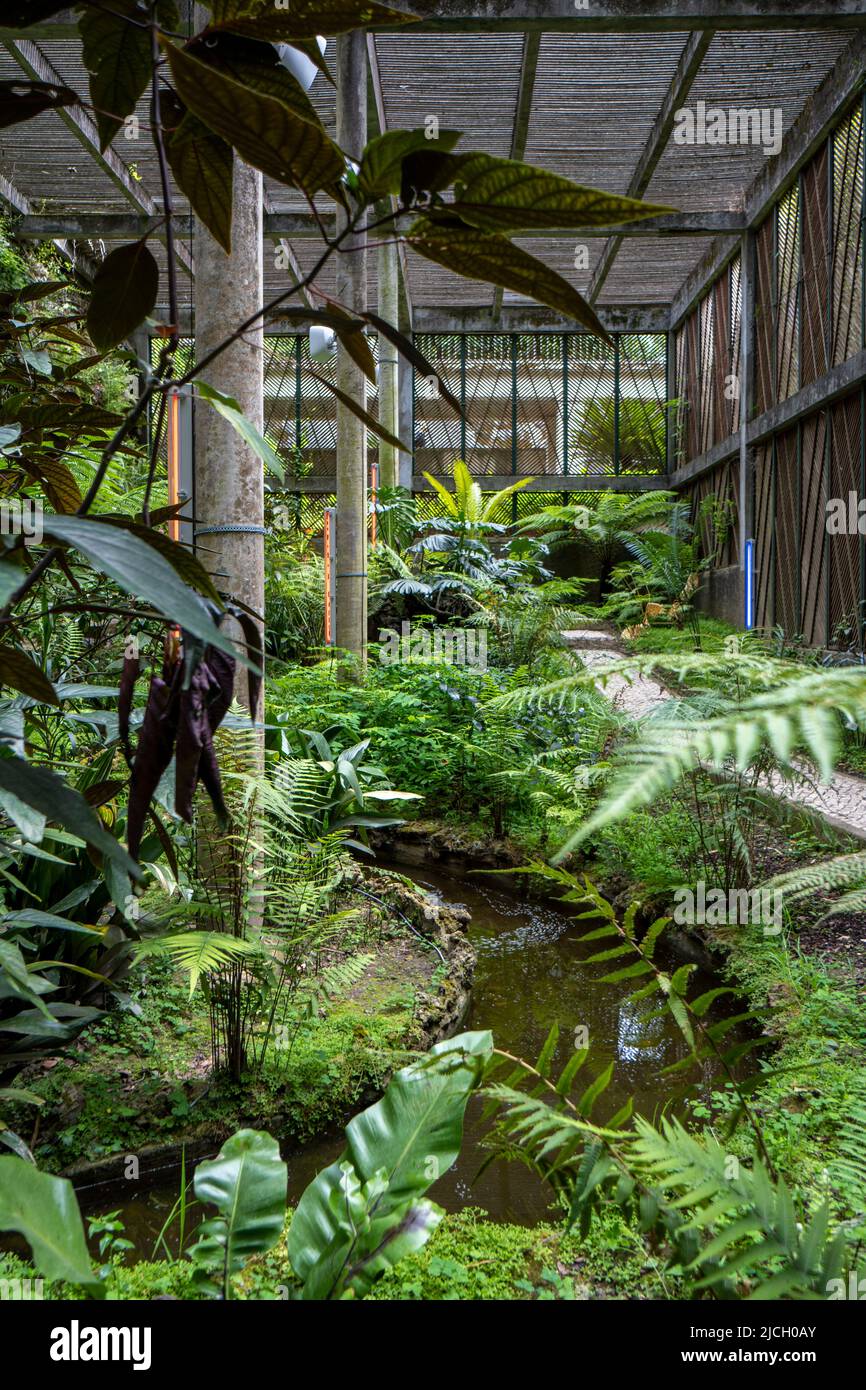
302	68
323	342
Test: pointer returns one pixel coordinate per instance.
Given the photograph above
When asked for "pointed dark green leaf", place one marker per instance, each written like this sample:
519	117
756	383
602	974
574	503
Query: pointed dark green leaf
53	798
506	195
20	100
20	672
124	293
381	169
203	165
487	256
262	129
117	55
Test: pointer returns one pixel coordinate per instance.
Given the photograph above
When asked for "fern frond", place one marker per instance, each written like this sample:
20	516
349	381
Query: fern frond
198	953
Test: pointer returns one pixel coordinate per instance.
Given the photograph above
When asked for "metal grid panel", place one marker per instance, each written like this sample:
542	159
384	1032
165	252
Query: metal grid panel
642	396
720	484
538	413
591	394
489	395
847	238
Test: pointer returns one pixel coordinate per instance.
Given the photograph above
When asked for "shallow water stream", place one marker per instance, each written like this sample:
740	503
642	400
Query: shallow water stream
530	974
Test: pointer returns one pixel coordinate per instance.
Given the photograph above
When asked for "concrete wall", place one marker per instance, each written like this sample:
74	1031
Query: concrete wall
721	595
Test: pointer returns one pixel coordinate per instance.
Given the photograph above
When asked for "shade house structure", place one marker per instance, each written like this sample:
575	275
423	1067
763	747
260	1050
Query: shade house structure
735	361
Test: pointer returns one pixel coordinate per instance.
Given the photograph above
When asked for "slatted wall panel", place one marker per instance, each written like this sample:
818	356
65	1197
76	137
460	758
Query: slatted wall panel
590	405
787	532
721	484
815	264
693	385
438	439
721	423
681	413
765	392
846	552
538	404
765	540
787	299
813	532
847	239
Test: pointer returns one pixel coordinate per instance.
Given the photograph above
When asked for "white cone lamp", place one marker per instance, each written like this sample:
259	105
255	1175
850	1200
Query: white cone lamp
323	343
302	68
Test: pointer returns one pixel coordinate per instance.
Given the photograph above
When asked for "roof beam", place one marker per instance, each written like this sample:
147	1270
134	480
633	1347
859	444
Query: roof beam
39	68
118	226
528	69
686	71
814	123
601	16
13	199
532	318
636	16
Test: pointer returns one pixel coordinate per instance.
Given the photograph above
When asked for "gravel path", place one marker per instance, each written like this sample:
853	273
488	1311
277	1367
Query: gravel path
841	802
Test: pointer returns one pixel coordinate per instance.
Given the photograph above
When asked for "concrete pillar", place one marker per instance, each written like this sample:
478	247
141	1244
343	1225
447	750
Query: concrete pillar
351	286
388	271
229	477
405	415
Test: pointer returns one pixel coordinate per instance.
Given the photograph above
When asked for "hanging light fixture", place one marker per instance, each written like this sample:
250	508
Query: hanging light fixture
295	60
323	342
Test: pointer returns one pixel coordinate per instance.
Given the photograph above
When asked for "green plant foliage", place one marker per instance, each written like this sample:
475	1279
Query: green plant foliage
45	1211
124	293
367	1210
246	1182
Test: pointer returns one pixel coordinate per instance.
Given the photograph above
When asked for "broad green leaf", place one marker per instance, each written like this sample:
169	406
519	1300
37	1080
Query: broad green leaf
246	1182
304	19
262	129
20	672
231	411
44	1210
180	557
506	195
117	55
141	571
381	169
403	1143
53	798
123	294
203	165
255	65
487	256
20	100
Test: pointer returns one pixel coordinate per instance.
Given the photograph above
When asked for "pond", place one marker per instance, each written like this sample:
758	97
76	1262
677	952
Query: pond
530	974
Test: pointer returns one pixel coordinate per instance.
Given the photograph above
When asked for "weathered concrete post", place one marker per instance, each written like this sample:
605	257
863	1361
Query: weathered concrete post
229	477
388	288
351	285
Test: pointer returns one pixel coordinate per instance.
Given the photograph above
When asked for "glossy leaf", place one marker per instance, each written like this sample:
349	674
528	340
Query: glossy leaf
20	100
488	256
395	1150
117	55
54	799
262	129
124	294
182	560
381	171
21	673
506	195
44	1210
139	571
246	1182
231	411
256	65
203	165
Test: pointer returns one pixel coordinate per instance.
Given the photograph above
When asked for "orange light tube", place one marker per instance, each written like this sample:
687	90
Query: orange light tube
374	493
329	561
174	461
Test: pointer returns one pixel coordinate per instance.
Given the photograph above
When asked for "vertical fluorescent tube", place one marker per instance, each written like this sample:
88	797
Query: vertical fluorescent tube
330	586
174	461
750	585
374	495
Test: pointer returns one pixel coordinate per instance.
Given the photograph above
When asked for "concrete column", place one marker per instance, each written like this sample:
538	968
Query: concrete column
405	412
388	270
351	285
229	477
